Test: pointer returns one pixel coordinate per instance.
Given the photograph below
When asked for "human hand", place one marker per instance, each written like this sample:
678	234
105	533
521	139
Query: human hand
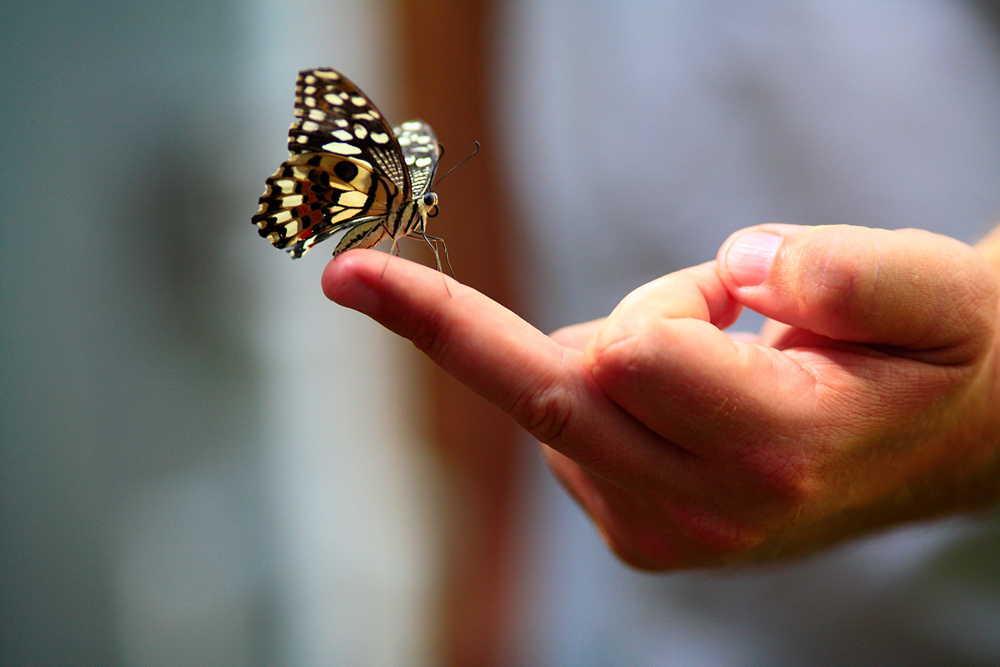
875	402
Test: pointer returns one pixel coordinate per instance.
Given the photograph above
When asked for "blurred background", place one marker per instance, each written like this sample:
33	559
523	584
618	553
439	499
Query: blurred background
205	462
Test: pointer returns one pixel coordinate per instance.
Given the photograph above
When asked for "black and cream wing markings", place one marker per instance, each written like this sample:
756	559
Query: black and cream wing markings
348	171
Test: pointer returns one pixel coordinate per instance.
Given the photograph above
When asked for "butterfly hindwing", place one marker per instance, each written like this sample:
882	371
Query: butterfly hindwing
314	195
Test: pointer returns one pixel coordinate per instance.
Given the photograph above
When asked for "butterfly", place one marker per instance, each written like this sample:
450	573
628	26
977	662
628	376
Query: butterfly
349	172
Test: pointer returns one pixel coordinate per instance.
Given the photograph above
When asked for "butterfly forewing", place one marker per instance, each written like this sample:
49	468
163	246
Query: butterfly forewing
336	117
348	171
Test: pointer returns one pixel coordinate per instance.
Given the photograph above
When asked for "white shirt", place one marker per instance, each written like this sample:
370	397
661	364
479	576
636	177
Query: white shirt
638	135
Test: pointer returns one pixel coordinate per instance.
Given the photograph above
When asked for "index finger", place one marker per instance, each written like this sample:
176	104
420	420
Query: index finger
540	383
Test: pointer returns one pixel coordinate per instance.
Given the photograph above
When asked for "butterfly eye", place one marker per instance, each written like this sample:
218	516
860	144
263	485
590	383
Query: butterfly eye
430	202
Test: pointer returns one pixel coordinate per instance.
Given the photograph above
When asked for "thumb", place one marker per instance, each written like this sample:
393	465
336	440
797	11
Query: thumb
928	295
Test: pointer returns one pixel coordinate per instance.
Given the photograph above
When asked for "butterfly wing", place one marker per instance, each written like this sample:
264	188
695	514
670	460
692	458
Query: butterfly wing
421	152
347	171
313	196
334	116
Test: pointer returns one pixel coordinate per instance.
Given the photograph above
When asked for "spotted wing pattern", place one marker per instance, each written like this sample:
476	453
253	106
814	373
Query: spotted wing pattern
348	171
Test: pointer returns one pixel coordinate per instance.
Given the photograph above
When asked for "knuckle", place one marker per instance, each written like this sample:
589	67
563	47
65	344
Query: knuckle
544	409
430	338
844	272
432	333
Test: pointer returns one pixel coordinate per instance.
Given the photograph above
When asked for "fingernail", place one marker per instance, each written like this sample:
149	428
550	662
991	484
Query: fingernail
750	256
356	295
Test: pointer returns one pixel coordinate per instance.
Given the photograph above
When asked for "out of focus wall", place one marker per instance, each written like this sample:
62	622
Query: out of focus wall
202	461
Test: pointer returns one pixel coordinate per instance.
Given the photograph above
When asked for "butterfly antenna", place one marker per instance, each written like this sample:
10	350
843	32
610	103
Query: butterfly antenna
469	157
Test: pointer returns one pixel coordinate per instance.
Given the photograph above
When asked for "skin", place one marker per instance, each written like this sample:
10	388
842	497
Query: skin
871	397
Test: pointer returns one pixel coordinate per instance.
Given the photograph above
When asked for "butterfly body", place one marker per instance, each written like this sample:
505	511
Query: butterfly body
348	171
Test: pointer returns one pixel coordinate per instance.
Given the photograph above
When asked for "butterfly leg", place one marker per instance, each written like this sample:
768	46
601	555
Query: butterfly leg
394	250
432	243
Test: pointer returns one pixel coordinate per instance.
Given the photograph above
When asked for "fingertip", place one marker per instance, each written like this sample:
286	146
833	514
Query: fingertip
343	283
748	257
333	276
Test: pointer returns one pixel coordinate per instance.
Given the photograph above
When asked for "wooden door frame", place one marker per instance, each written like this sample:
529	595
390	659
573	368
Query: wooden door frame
445	53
